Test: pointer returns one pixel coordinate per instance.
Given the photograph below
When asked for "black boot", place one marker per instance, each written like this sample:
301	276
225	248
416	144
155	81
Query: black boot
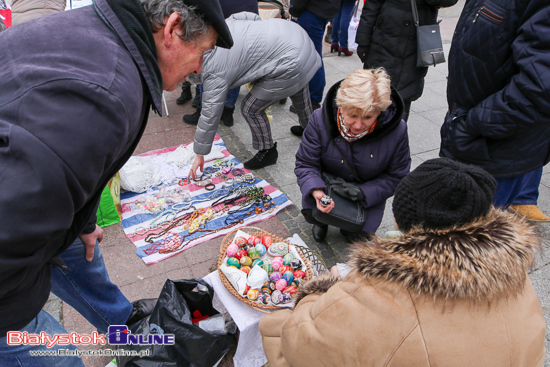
185	93
263	158
227	116
319	232
197	100
297	130
142	309
193	118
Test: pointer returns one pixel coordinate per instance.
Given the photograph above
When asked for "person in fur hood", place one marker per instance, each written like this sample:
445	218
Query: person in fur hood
452	291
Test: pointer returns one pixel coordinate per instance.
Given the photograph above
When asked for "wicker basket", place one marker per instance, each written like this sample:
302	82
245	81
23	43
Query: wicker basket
311	260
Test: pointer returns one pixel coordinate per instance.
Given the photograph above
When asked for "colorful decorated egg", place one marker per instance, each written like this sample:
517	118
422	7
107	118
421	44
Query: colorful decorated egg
281	284
253	294
296	264
245	261
232	250
268	268
276	297
247	247
258	262
266	288
275	276
271	285
240	241
253	253
246	289
245	268
287	297
278	249
284	268
264	298
240	254
233	262
287	258
261	249
287	275
299	274
276	263
290	289
254	240
296	282
267	241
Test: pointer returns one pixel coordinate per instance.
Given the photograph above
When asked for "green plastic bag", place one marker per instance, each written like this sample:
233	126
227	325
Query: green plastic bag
109	210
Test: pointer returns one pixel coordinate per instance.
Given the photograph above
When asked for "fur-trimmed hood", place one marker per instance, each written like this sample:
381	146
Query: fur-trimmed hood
480	261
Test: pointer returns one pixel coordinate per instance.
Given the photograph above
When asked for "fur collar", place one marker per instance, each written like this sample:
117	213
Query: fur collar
480	261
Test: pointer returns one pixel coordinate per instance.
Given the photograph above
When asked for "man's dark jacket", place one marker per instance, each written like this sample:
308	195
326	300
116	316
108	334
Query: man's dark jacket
499	87
74	102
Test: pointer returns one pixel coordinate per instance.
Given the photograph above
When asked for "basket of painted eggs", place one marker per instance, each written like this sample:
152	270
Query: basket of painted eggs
261	269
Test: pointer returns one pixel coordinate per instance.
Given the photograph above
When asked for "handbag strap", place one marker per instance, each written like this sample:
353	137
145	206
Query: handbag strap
415	13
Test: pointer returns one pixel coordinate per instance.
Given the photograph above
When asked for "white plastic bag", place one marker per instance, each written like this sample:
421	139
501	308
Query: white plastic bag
352	28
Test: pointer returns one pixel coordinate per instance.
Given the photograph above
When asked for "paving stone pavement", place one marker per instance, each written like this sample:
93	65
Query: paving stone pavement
139	281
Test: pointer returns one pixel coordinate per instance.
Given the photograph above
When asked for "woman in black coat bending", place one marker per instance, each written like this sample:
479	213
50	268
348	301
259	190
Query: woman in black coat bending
387	38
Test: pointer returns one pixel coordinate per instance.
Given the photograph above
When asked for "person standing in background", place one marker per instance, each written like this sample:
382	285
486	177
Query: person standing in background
386	37
313	16
24	10
340	28
229	7
497	91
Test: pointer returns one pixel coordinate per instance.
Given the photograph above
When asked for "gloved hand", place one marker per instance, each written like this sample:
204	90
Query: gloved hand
362	52
349	190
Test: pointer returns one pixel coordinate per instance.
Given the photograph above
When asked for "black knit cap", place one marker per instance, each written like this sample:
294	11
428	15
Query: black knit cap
441	193
212	13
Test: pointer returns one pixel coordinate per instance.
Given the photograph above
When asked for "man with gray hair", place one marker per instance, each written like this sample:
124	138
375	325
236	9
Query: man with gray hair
77	88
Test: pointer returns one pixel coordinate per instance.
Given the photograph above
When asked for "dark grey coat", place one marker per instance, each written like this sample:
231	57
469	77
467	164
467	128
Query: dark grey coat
72	109
387	29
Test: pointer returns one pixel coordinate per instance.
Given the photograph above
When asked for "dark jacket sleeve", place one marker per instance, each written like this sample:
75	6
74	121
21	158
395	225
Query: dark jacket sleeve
369	15
297	7
383	186
521	101
308	157
441	3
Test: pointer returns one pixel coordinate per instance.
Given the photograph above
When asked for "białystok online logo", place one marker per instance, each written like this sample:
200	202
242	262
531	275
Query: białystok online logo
117	335
120	335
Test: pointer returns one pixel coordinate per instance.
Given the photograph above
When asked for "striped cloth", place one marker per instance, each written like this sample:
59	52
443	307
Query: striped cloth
135	219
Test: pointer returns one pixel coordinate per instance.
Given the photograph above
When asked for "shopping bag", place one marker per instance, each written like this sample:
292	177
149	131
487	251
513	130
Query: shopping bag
110	211
5	15
352	28
173	314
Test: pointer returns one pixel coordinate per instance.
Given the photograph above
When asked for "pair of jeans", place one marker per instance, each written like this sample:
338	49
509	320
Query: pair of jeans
519	190
87	288
19	355
315	28
340	24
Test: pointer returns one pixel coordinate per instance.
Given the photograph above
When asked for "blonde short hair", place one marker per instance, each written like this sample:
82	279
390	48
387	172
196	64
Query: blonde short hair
367	90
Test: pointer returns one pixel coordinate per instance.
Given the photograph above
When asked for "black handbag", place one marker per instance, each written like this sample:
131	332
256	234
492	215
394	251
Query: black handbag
347	214
429	47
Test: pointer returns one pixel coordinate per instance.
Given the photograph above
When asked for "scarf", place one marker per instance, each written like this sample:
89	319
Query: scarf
133	19
348	135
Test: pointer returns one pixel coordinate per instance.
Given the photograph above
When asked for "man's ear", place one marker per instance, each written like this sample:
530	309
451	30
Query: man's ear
172	24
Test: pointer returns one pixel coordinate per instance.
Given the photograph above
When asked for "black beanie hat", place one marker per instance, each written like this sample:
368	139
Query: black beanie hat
441	193
211	10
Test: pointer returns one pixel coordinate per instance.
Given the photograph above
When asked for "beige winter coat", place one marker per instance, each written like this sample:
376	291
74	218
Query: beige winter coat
453	298
23	10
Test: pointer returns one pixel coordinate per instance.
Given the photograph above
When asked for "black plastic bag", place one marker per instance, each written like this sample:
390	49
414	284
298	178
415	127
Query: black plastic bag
193	346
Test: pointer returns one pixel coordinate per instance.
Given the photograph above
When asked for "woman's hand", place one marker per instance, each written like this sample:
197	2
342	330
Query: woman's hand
318	194
198	163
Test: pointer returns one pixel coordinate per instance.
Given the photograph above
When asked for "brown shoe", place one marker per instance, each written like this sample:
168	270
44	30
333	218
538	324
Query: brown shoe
529	212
